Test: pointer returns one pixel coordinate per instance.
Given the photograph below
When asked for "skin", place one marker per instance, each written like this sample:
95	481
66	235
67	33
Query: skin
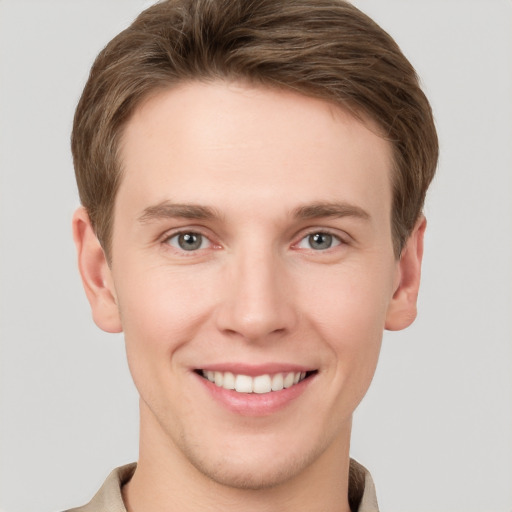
255	292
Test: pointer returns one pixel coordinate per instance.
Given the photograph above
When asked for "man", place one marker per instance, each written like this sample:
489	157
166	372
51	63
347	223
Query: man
252	176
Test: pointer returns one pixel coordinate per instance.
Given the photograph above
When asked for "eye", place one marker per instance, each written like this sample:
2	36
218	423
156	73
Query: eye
319	241
188	241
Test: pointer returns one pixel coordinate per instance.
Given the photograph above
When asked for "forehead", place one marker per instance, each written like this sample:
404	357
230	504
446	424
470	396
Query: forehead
236	146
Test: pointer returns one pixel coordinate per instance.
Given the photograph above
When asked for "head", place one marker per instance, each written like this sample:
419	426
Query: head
325	49
254	173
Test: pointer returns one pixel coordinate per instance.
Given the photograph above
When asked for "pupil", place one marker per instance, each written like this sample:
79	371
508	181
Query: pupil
320	241
190	241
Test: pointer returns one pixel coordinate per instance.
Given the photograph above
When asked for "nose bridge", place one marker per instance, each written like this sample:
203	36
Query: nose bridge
257	302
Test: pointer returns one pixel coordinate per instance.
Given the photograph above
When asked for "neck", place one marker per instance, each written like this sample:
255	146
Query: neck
165	479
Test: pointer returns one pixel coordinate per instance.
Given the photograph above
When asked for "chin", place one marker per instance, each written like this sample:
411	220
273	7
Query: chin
250	475
254	467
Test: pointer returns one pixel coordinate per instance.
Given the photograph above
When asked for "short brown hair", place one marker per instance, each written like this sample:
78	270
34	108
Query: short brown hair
322	48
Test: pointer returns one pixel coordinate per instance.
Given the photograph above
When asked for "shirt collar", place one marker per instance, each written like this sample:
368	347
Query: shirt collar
362	496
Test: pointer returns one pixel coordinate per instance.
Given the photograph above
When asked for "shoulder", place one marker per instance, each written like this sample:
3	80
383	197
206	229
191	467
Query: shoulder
362	496
109	497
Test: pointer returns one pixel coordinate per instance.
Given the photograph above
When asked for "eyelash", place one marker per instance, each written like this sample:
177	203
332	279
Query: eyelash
337	240
168	237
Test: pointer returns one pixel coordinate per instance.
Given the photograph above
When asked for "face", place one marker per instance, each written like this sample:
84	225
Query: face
252	274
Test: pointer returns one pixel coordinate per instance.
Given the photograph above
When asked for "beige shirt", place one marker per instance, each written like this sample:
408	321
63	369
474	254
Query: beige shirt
362	495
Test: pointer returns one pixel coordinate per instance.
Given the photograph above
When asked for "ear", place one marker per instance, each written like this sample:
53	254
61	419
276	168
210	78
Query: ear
96	275
402	308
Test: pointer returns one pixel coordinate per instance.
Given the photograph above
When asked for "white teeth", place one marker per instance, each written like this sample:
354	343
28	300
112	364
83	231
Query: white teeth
259	384
243	384
277	382
229	381
288	380
262	384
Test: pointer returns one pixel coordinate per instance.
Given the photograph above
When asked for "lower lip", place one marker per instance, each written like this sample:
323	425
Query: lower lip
255	404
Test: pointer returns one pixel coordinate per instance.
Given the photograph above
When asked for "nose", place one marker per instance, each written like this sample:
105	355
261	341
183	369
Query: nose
257	302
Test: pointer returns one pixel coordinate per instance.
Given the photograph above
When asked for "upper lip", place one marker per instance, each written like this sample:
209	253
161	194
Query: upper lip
253	370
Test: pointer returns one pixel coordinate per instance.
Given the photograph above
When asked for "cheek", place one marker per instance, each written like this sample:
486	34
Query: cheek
161	310
352	298
349	312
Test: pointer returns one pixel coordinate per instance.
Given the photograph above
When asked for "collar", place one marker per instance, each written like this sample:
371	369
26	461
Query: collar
362	496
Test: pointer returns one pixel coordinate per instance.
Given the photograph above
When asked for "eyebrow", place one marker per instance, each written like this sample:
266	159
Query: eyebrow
330	209
168	209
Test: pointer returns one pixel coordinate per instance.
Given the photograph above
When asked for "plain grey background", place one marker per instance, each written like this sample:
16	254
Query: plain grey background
436	427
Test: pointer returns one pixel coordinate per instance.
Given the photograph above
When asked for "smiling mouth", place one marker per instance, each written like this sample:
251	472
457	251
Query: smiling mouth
260	384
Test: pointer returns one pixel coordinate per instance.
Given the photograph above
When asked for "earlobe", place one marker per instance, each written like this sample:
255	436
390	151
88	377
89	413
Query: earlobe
96	275
402	308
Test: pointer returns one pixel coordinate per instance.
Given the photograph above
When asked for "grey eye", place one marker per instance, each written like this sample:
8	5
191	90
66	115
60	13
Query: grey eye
188	241
320	241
